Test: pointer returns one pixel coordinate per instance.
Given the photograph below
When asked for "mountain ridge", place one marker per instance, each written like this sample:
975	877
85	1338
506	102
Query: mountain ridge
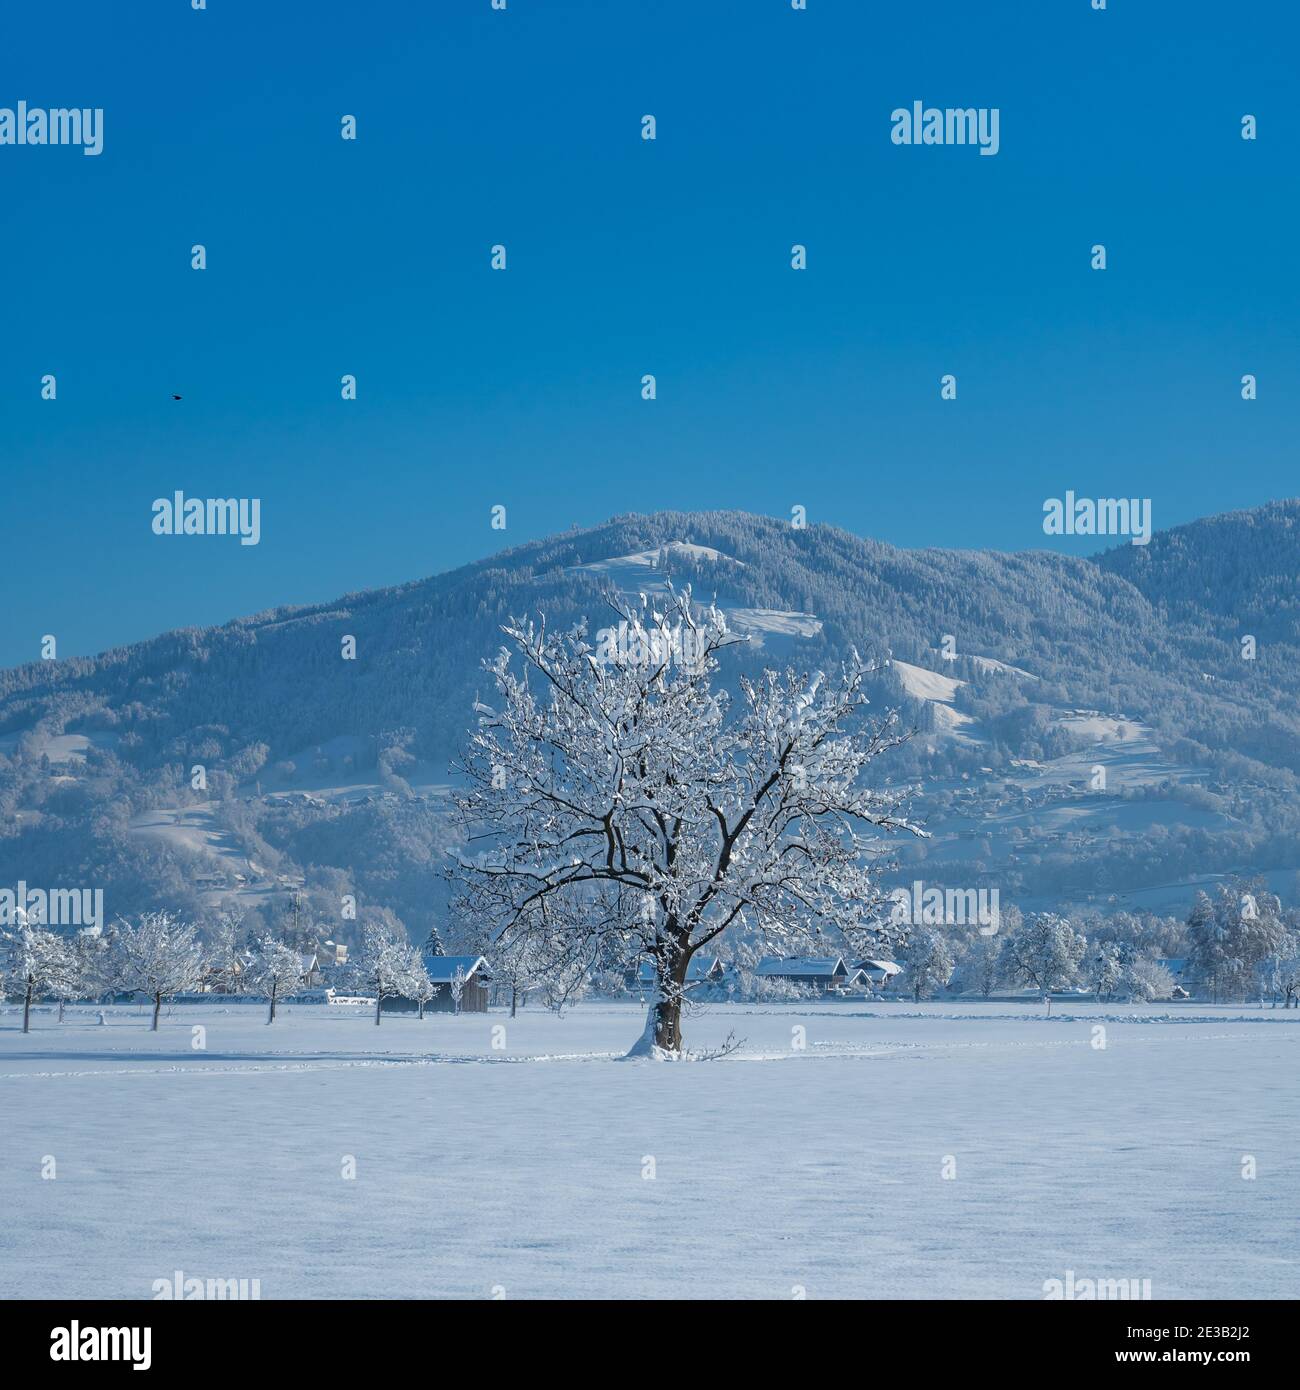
329	768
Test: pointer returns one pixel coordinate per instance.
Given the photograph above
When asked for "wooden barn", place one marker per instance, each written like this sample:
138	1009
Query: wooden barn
443	970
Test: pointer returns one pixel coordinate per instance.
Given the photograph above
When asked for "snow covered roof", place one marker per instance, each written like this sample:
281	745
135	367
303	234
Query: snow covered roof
825	966
700	968
884	967
443	968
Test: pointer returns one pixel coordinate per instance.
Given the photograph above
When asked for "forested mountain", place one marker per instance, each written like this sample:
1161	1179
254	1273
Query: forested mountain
1021	672
1224	574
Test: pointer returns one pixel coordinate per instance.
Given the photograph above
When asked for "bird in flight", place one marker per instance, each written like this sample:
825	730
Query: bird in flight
175	398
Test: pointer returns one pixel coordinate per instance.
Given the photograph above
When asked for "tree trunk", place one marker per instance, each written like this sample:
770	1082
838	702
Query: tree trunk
421	1013
61	1004
27	1008
514	997
663	1025
157	1009
270	1018
379	1004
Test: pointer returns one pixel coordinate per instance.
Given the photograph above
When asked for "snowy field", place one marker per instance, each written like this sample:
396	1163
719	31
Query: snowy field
517	1171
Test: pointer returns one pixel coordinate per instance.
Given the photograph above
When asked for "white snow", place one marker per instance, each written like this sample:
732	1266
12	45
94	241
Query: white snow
639	574
520	1167
940	692
59	748
926	685
988	663
649	559
1105	728
773	622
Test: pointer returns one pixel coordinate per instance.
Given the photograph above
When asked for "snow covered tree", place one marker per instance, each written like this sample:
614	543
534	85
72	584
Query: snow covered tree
433	943
775	989
618	809
978	968
1043	952
158	956
1142	978
926	958
418	986
518	966
1279	972
227	955
1105	968
383	963
1209	952
93	963
276	969
37	963
1229	938
69	982
456	987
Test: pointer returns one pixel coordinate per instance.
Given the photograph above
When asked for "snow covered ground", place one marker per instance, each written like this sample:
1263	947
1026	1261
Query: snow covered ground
520	1168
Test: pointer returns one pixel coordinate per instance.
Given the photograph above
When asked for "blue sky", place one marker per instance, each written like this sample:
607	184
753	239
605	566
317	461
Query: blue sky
522	388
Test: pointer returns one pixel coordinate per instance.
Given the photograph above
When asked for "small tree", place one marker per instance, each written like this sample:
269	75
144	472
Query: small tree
519	966
1105	969
93	963
928	961
1279	972
979	964
418	984
227	953
1044	952
38	963
276	969
456	987
383	965
157	956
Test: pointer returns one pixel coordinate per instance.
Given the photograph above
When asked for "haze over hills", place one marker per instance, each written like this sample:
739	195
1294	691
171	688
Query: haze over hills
1023	675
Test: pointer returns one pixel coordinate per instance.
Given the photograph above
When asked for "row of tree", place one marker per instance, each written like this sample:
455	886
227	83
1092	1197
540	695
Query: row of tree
1238	943
158	955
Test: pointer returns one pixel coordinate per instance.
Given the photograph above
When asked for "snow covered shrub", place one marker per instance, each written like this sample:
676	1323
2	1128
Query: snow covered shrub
769	990
1143	979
